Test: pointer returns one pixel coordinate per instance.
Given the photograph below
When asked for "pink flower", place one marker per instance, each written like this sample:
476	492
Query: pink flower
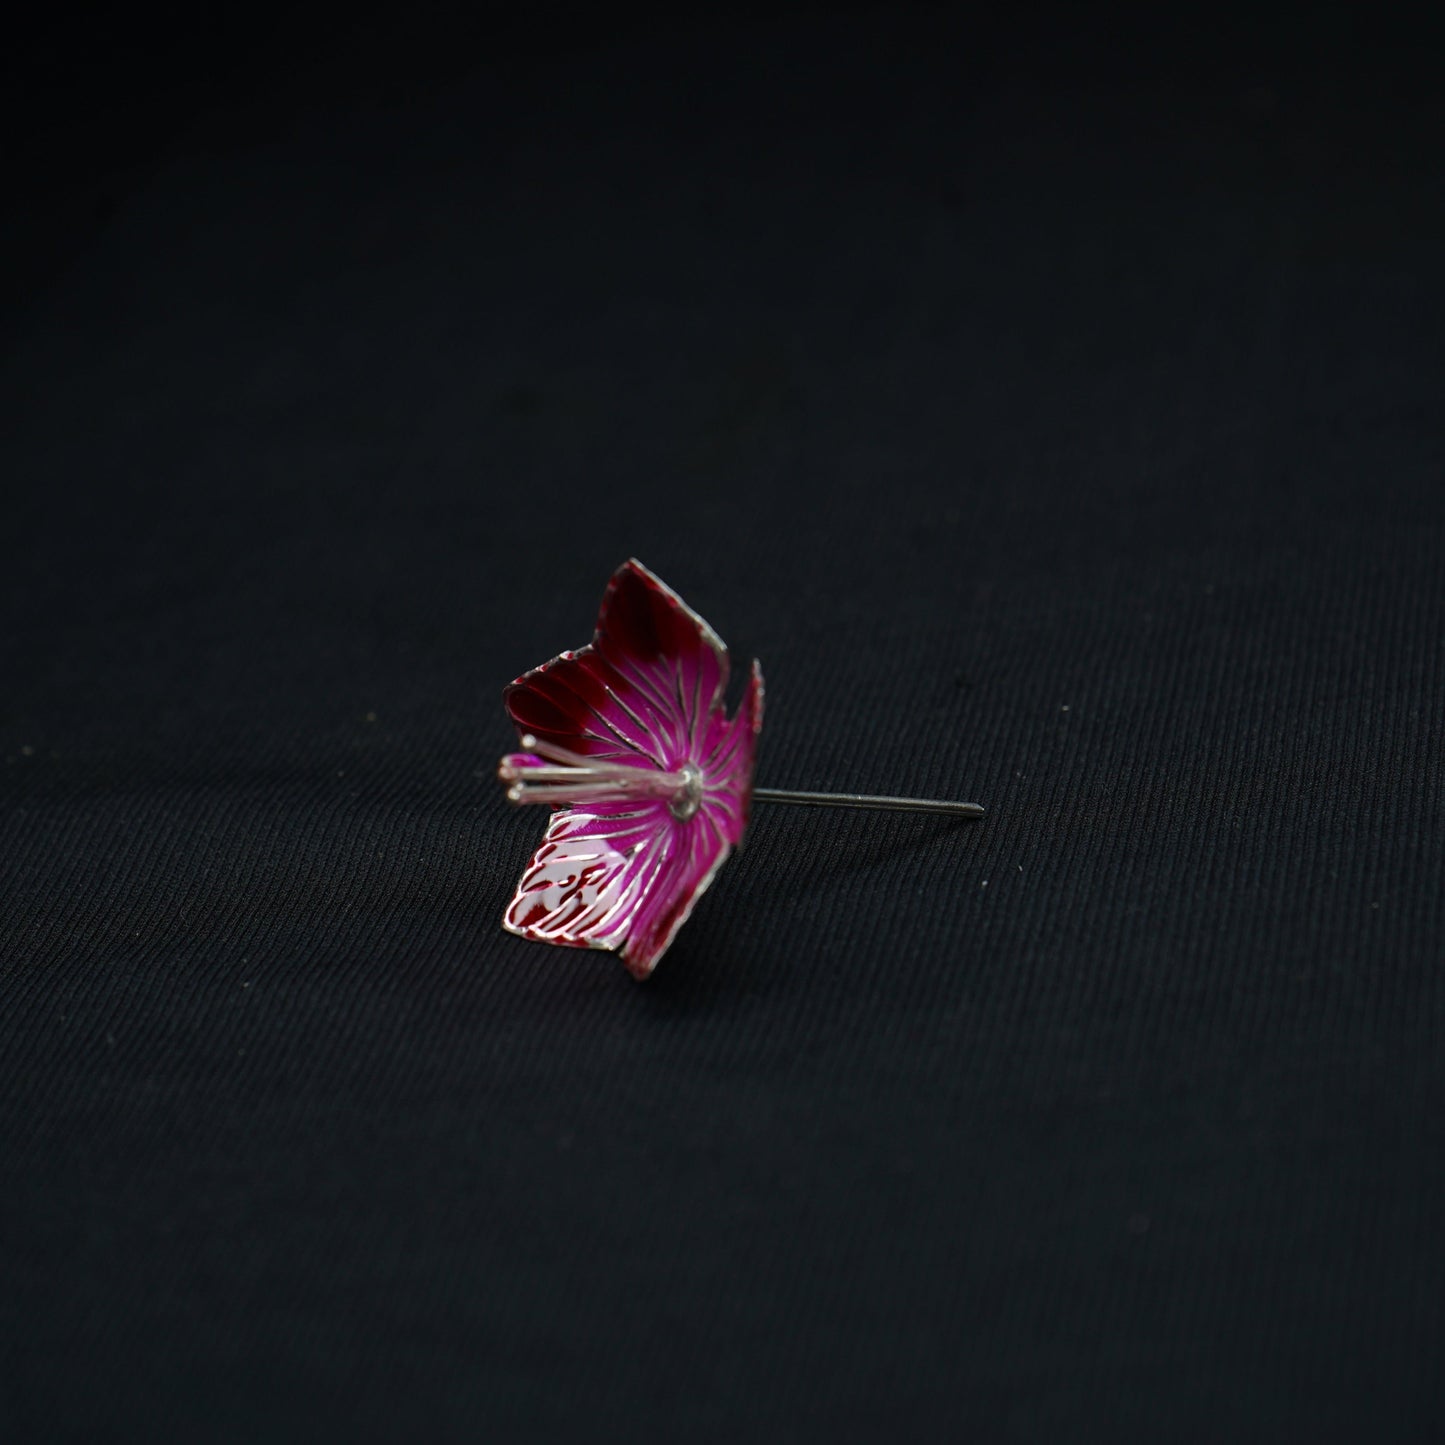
651	780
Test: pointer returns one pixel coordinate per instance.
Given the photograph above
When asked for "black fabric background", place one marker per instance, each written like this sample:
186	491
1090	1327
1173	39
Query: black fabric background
1058	416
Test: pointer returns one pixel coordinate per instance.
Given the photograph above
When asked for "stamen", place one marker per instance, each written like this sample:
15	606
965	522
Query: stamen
577	779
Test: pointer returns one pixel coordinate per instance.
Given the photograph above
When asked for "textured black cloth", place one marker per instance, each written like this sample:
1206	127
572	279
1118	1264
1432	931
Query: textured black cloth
1061	424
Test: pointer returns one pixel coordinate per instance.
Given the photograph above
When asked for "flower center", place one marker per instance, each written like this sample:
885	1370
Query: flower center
688	798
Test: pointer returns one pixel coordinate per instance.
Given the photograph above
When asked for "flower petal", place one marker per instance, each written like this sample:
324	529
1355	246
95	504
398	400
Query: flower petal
727	764
648	683
697	851
616	877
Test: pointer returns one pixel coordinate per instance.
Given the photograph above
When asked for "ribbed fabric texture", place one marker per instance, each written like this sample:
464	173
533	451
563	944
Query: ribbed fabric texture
1061	432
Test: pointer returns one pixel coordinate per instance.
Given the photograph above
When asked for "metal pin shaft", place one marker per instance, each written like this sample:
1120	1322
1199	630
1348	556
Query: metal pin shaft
867	800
